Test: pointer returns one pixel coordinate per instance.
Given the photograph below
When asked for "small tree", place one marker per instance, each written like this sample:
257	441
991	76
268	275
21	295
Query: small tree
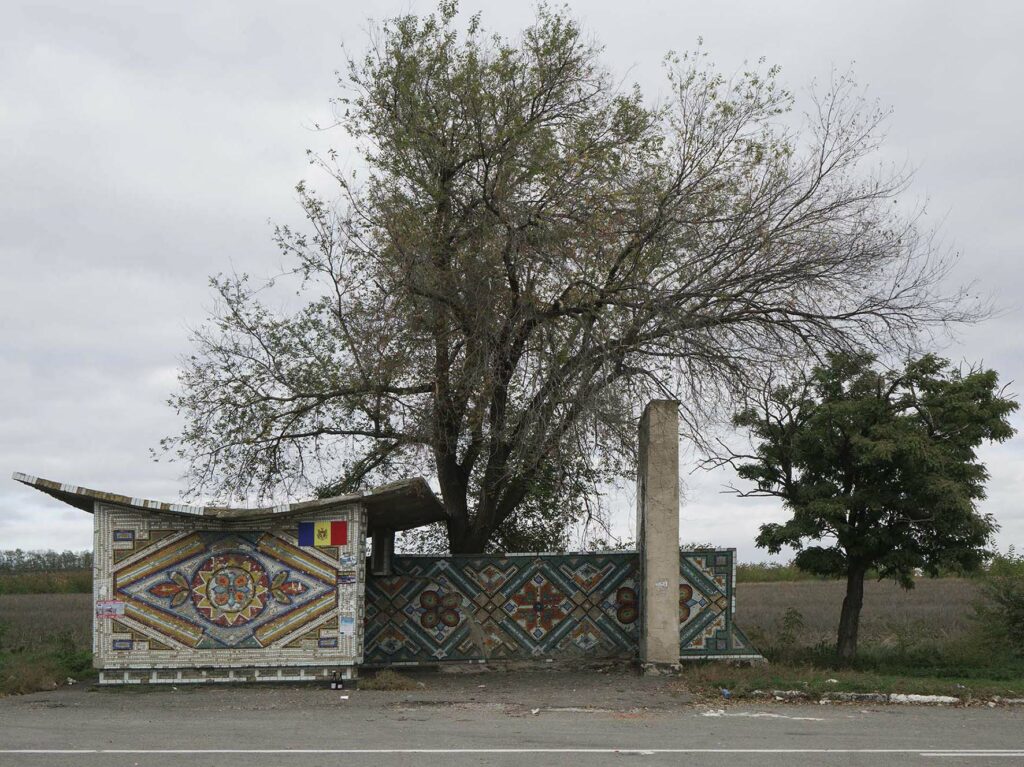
878	468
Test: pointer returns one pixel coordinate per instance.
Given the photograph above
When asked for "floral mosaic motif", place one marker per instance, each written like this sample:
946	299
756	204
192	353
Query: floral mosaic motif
283	589
690	604
176	589
628	609
440	608
229	589
538	606
210	590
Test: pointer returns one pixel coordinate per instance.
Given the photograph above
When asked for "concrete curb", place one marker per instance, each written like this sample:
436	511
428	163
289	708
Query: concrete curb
800	696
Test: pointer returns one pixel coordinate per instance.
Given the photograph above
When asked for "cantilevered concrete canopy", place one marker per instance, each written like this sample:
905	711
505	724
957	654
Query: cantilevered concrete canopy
400	505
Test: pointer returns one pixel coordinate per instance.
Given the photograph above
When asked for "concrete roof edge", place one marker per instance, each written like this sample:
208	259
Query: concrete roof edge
412	489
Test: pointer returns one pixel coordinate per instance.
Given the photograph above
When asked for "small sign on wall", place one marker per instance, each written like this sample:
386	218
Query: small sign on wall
109	608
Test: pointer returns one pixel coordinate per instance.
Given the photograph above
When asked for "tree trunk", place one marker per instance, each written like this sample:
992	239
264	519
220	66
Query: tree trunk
457	509
458	537
470	537
465	536
849	618
473	542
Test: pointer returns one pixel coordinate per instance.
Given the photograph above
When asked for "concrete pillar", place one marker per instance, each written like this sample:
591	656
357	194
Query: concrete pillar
382	551
658	535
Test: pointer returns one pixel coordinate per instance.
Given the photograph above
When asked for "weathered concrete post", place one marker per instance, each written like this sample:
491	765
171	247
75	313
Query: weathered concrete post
382	552
657	527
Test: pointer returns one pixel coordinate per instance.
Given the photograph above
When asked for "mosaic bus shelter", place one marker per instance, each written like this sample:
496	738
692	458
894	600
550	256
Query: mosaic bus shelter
205	594
284	593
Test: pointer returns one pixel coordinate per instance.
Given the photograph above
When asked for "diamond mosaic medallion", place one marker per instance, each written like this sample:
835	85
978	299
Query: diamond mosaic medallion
210	590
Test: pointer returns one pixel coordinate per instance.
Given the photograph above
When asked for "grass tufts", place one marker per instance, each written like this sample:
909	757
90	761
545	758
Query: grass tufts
387	680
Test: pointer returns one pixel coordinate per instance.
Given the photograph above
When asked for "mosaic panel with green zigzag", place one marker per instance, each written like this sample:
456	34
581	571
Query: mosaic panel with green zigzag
524	606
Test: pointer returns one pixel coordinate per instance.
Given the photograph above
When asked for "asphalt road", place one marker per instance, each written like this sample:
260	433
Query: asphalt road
500	723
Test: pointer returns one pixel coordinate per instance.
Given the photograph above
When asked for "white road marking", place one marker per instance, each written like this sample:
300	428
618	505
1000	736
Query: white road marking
638	751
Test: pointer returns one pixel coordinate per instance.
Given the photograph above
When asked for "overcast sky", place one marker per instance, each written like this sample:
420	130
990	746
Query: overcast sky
143	150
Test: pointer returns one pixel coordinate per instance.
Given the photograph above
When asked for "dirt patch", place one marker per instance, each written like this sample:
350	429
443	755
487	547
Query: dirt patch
549	690
387	680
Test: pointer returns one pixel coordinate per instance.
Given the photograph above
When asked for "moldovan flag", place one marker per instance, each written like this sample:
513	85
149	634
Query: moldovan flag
323	533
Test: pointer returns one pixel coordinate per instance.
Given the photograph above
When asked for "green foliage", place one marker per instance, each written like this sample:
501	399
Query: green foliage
561	495
603	544
46	663
45	572
878	470
1006	567
880	464
791	626
72	659
19	561
1001	614
872	673
967	659
894	647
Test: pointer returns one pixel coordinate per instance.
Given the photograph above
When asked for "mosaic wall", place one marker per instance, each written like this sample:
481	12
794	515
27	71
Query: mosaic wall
517	606
174	592
707	604
528	606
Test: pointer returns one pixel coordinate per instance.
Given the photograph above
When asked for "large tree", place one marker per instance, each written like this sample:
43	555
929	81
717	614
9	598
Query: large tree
878	469
532	251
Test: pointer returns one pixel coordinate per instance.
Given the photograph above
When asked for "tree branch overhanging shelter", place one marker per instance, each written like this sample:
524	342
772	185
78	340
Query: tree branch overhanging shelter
532	253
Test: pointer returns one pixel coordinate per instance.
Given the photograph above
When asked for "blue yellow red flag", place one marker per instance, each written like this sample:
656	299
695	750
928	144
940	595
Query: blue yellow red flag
331	533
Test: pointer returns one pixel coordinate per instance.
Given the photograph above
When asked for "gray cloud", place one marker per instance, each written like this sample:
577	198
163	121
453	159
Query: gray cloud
144	148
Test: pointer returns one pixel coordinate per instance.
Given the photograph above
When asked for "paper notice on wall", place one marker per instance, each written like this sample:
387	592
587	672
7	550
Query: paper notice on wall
346	626
109	608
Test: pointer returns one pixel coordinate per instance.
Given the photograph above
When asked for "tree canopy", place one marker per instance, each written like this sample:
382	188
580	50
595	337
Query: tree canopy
878	469
530	253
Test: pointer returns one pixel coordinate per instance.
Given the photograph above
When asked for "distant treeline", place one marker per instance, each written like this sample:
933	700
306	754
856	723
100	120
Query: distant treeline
777	572
18	561
772	572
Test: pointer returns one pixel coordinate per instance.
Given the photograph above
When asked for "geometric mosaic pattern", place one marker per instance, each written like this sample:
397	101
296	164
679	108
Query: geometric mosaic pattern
515	606
707	603
527	606
213	590
181	592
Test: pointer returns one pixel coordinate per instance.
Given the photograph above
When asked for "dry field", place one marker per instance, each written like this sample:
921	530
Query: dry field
29	617
937	610
44	582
